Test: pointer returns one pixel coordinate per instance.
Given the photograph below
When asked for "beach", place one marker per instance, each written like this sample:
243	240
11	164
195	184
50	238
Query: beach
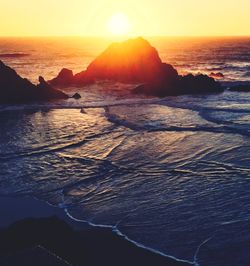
33	232
162	175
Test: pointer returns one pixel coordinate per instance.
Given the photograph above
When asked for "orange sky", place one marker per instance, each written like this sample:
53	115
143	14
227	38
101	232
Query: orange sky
146	17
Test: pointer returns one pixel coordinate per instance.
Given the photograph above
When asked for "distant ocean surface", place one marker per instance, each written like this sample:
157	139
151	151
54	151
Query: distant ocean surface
46	56
171	174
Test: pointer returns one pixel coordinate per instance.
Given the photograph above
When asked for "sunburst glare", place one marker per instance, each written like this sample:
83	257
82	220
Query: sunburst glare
119	24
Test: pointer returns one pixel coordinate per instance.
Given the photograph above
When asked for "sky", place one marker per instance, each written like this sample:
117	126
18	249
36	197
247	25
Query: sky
145	17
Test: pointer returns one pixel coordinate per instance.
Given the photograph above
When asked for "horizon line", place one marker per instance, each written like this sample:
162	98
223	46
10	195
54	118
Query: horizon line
124	36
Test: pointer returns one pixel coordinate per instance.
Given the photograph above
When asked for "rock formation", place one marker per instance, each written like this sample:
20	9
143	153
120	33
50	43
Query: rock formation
64	78
200	84
218	75
136	61
76	96
130	61
189	84
15	89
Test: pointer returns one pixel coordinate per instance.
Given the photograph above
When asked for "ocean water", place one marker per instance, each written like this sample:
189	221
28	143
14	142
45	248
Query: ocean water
170	174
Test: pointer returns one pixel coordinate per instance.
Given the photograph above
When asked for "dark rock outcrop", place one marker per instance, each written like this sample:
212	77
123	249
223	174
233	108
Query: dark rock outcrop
218	75
136	61
189	84
64	78
15	89
240	88
198	84
77	96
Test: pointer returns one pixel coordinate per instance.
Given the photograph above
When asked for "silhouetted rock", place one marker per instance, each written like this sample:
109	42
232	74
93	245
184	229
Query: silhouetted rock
240	88
132	61
218	75
199	84
64	78
82	79
14	89
189	84
77	96
46	91
136	61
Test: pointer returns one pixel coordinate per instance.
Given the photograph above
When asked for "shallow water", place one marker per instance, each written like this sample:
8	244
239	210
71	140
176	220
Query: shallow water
171	174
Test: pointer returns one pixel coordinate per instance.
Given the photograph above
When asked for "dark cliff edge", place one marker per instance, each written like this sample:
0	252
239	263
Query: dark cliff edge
15	89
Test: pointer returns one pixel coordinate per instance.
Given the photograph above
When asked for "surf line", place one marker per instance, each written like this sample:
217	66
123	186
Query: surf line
115	229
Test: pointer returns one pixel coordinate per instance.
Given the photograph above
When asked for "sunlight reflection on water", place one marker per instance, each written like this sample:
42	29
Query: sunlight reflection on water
170	176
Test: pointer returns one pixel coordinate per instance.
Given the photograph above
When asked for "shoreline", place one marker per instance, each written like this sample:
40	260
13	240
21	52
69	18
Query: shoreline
26	213
116	231
15	208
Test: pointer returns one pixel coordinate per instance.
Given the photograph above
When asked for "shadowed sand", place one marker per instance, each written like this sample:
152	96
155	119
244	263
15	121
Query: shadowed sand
50	237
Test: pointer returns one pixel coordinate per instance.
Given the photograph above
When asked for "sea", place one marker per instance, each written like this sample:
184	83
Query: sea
171	175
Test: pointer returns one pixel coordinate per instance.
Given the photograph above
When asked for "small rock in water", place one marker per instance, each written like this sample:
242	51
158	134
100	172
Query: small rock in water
77	96
218	75
83	111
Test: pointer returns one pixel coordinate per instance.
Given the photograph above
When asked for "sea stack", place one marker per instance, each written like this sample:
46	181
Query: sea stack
132	61
136	61
64	78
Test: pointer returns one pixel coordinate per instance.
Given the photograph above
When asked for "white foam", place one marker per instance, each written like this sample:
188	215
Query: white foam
118	232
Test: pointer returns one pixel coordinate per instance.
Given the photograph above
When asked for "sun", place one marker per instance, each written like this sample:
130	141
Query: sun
118	24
